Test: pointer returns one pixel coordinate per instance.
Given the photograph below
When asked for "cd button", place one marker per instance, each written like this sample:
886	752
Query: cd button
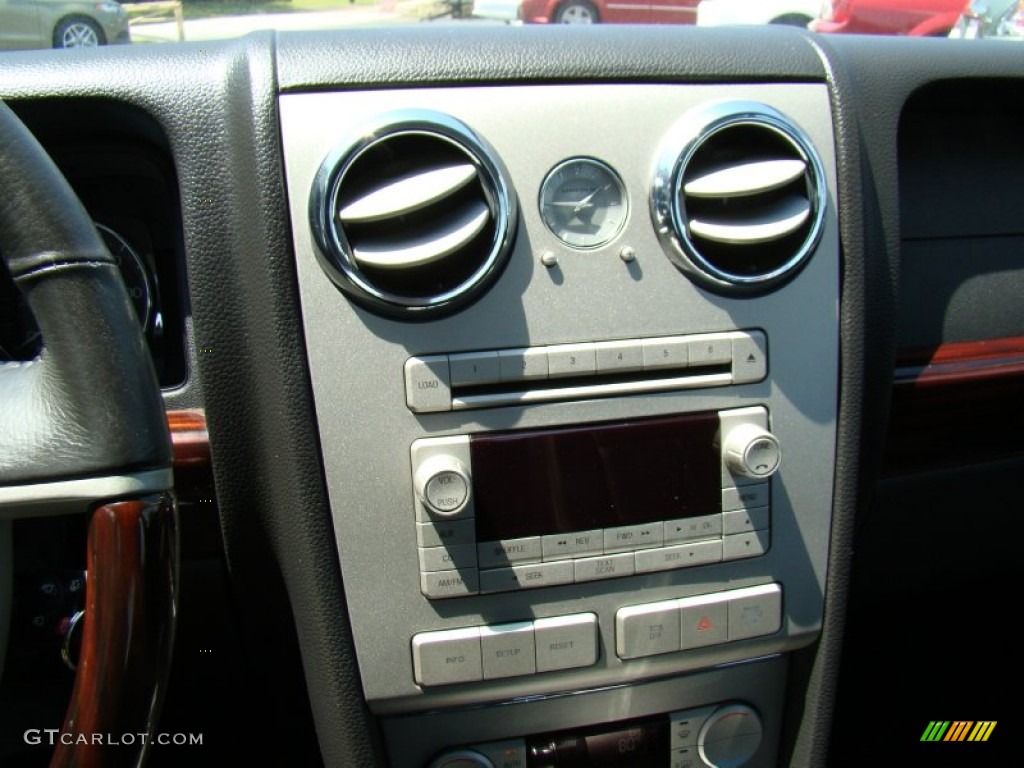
571	360
713	349
520	364
455	557
474	369
664	353
619	356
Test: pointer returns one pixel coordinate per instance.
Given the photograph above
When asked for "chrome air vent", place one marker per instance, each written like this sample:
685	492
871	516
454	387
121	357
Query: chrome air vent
415	216
738	197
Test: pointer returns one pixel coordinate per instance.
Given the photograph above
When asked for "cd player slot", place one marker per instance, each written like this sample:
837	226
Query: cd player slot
608	385
584	370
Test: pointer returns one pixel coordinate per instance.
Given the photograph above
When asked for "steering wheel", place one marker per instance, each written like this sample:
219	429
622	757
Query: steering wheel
82	429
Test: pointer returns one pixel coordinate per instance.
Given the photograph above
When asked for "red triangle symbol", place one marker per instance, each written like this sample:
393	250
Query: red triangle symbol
704	625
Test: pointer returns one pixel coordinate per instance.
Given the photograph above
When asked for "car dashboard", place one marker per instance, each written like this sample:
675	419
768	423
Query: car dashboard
547	376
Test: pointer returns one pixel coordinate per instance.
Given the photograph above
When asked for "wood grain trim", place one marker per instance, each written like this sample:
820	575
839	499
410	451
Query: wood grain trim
960	363
189	438
127	636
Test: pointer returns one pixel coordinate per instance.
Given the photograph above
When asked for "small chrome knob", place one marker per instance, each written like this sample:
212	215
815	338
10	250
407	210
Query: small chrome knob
752	451
443	485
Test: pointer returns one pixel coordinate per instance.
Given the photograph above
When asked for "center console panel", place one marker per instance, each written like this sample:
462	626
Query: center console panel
574	357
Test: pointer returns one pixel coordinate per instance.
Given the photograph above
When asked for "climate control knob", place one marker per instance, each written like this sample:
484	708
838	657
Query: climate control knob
730	737
751	451
443	485
463	758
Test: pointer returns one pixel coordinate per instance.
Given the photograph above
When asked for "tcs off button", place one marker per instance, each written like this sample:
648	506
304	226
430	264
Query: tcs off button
442	485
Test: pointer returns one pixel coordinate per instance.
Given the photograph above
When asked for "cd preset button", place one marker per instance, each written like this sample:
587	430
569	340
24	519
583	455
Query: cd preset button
470	369
571	360
521	364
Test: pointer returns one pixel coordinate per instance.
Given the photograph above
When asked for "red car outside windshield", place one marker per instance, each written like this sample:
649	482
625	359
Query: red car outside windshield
609	11
889	17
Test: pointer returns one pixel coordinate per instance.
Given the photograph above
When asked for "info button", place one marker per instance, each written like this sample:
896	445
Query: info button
446	657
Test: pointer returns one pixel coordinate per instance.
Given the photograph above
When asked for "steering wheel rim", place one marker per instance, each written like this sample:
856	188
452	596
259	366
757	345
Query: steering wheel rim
82	428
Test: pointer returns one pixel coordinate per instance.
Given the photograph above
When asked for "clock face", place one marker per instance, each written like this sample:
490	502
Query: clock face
583	203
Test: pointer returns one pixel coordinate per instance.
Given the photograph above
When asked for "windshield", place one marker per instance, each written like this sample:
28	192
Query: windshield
35	24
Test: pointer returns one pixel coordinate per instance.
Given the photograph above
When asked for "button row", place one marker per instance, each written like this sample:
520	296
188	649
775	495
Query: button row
451	569
472	654
614	566
696	622
429	379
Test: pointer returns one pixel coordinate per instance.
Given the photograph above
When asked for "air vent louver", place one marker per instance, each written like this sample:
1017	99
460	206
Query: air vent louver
738	197
415	217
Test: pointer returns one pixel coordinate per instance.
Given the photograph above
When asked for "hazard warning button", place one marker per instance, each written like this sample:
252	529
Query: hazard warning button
705	621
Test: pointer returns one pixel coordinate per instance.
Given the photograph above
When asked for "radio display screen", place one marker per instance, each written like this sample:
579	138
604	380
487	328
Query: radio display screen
535	482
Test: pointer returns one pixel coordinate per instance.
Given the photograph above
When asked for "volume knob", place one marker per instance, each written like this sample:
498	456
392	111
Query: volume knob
443	485
752	451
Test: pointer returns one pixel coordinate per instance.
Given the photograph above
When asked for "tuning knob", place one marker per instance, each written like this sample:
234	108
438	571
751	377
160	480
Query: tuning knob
751	451
730	737
443	485
463	758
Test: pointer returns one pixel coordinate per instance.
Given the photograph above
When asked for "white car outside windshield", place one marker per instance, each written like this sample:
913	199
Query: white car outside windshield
719	12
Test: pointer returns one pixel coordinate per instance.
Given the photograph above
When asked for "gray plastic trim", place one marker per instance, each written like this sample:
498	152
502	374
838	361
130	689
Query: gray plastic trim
366	428
64	497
